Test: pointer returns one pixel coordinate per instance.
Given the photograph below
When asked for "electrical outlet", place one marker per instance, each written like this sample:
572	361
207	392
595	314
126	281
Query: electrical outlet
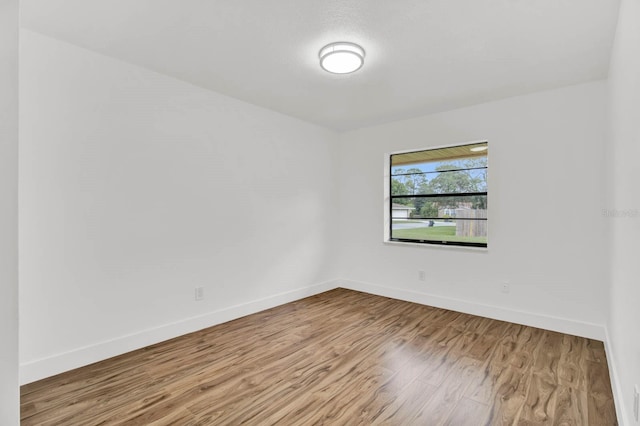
636	401
422	276
199	293
505	287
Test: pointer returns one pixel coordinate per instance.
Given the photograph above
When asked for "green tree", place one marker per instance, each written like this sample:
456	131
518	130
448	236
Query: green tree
453	181
480	172
480	180
429	209
461	181
413	180
398	188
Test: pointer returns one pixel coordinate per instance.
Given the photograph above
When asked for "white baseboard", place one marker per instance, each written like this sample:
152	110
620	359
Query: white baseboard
616	386
59	363
562	325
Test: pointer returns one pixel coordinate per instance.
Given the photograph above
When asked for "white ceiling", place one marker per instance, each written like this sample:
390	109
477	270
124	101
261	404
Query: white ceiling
423	56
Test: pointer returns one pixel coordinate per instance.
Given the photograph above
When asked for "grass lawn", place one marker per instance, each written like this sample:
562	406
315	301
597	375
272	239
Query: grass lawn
440	233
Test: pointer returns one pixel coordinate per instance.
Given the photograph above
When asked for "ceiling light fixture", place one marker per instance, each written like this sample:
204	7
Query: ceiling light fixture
479	148
341	57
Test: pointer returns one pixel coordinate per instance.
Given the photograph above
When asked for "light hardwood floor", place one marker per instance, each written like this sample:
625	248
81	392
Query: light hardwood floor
340	358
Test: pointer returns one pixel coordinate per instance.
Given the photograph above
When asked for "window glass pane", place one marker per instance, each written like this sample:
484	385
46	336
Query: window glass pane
459	206
440	177
440	230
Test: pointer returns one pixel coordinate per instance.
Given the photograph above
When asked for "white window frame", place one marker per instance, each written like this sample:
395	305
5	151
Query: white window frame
386	237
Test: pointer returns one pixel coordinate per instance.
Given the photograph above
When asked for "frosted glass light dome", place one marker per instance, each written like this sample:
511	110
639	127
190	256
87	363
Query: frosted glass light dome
341	57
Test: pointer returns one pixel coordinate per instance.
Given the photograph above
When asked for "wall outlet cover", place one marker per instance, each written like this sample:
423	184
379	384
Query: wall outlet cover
199	293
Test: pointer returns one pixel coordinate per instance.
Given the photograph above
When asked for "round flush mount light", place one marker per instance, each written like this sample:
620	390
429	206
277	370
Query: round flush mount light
341	57
479	148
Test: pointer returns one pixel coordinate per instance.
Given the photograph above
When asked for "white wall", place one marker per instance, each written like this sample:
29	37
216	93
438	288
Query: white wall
136	188
547	235
9	392
624	321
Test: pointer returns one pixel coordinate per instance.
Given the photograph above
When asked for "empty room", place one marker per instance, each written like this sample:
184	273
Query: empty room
320	212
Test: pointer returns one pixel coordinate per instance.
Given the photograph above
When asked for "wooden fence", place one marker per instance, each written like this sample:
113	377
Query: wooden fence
471	228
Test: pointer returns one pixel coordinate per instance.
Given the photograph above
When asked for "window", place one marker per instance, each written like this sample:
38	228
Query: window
439	196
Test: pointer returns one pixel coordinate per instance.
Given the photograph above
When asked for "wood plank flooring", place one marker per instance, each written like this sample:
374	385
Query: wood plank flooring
340	358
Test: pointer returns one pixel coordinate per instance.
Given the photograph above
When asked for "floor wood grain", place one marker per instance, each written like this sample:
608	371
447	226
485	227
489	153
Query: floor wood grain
340	358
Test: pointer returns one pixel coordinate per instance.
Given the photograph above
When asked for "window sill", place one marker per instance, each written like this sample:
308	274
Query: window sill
436	246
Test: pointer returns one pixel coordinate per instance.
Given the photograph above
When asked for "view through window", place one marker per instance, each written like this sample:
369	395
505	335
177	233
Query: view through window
439	196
